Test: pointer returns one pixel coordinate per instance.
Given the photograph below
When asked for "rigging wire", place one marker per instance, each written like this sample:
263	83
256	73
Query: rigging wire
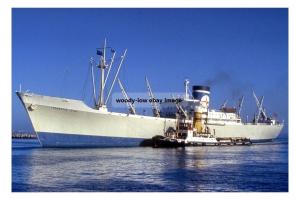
84	90
66	72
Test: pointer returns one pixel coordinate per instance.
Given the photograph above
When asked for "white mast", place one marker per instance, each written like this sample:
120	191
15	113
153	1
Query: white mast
101	103
102	65
186	85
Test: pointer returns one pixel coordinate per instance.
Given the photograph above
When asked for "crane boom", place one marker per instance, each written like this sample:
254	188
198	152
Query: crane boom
224	104
240	105
129	105
179	107
155	108
116	75
259	104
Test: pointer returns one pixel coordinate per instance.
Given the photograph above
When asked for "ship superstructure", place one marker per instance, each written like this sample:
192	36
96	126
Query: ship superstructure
61	122
225	122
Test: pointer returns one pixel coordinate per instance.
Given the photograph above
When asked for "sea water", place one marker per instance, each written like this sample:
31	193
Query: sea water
259	168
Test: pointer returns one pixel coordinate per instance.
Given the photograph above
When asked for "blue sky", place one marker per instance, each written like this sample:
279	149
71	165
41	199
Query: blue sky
233	50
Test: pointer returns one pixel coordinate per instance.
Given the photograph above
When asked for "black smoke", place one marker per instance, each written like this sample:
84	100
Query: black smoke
231	84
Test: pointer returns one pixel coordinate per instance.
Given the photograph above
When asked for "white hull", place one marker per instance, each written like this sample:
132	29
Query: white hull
67	122
253	132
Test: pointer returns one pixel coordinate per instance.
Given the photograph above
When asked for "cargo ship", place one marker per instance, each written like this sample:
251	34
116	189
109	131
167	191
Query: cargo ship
63	122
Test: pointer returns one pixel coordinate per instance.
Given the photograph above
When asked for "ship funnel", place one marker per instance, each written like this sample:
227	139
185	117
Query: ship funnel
201	93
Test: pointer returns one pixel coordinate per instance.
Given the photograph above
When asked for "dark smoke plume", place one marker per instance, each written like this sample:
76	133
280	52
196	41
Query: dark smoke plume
222	77
235	88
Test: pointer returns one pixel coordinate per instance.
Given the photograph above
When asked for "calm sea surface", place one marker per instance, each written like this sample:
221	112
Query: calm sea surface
259	167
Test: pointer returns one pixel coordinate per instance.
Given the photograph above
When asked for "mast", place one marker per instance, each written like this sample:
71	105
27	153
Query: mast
186	85
102	65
